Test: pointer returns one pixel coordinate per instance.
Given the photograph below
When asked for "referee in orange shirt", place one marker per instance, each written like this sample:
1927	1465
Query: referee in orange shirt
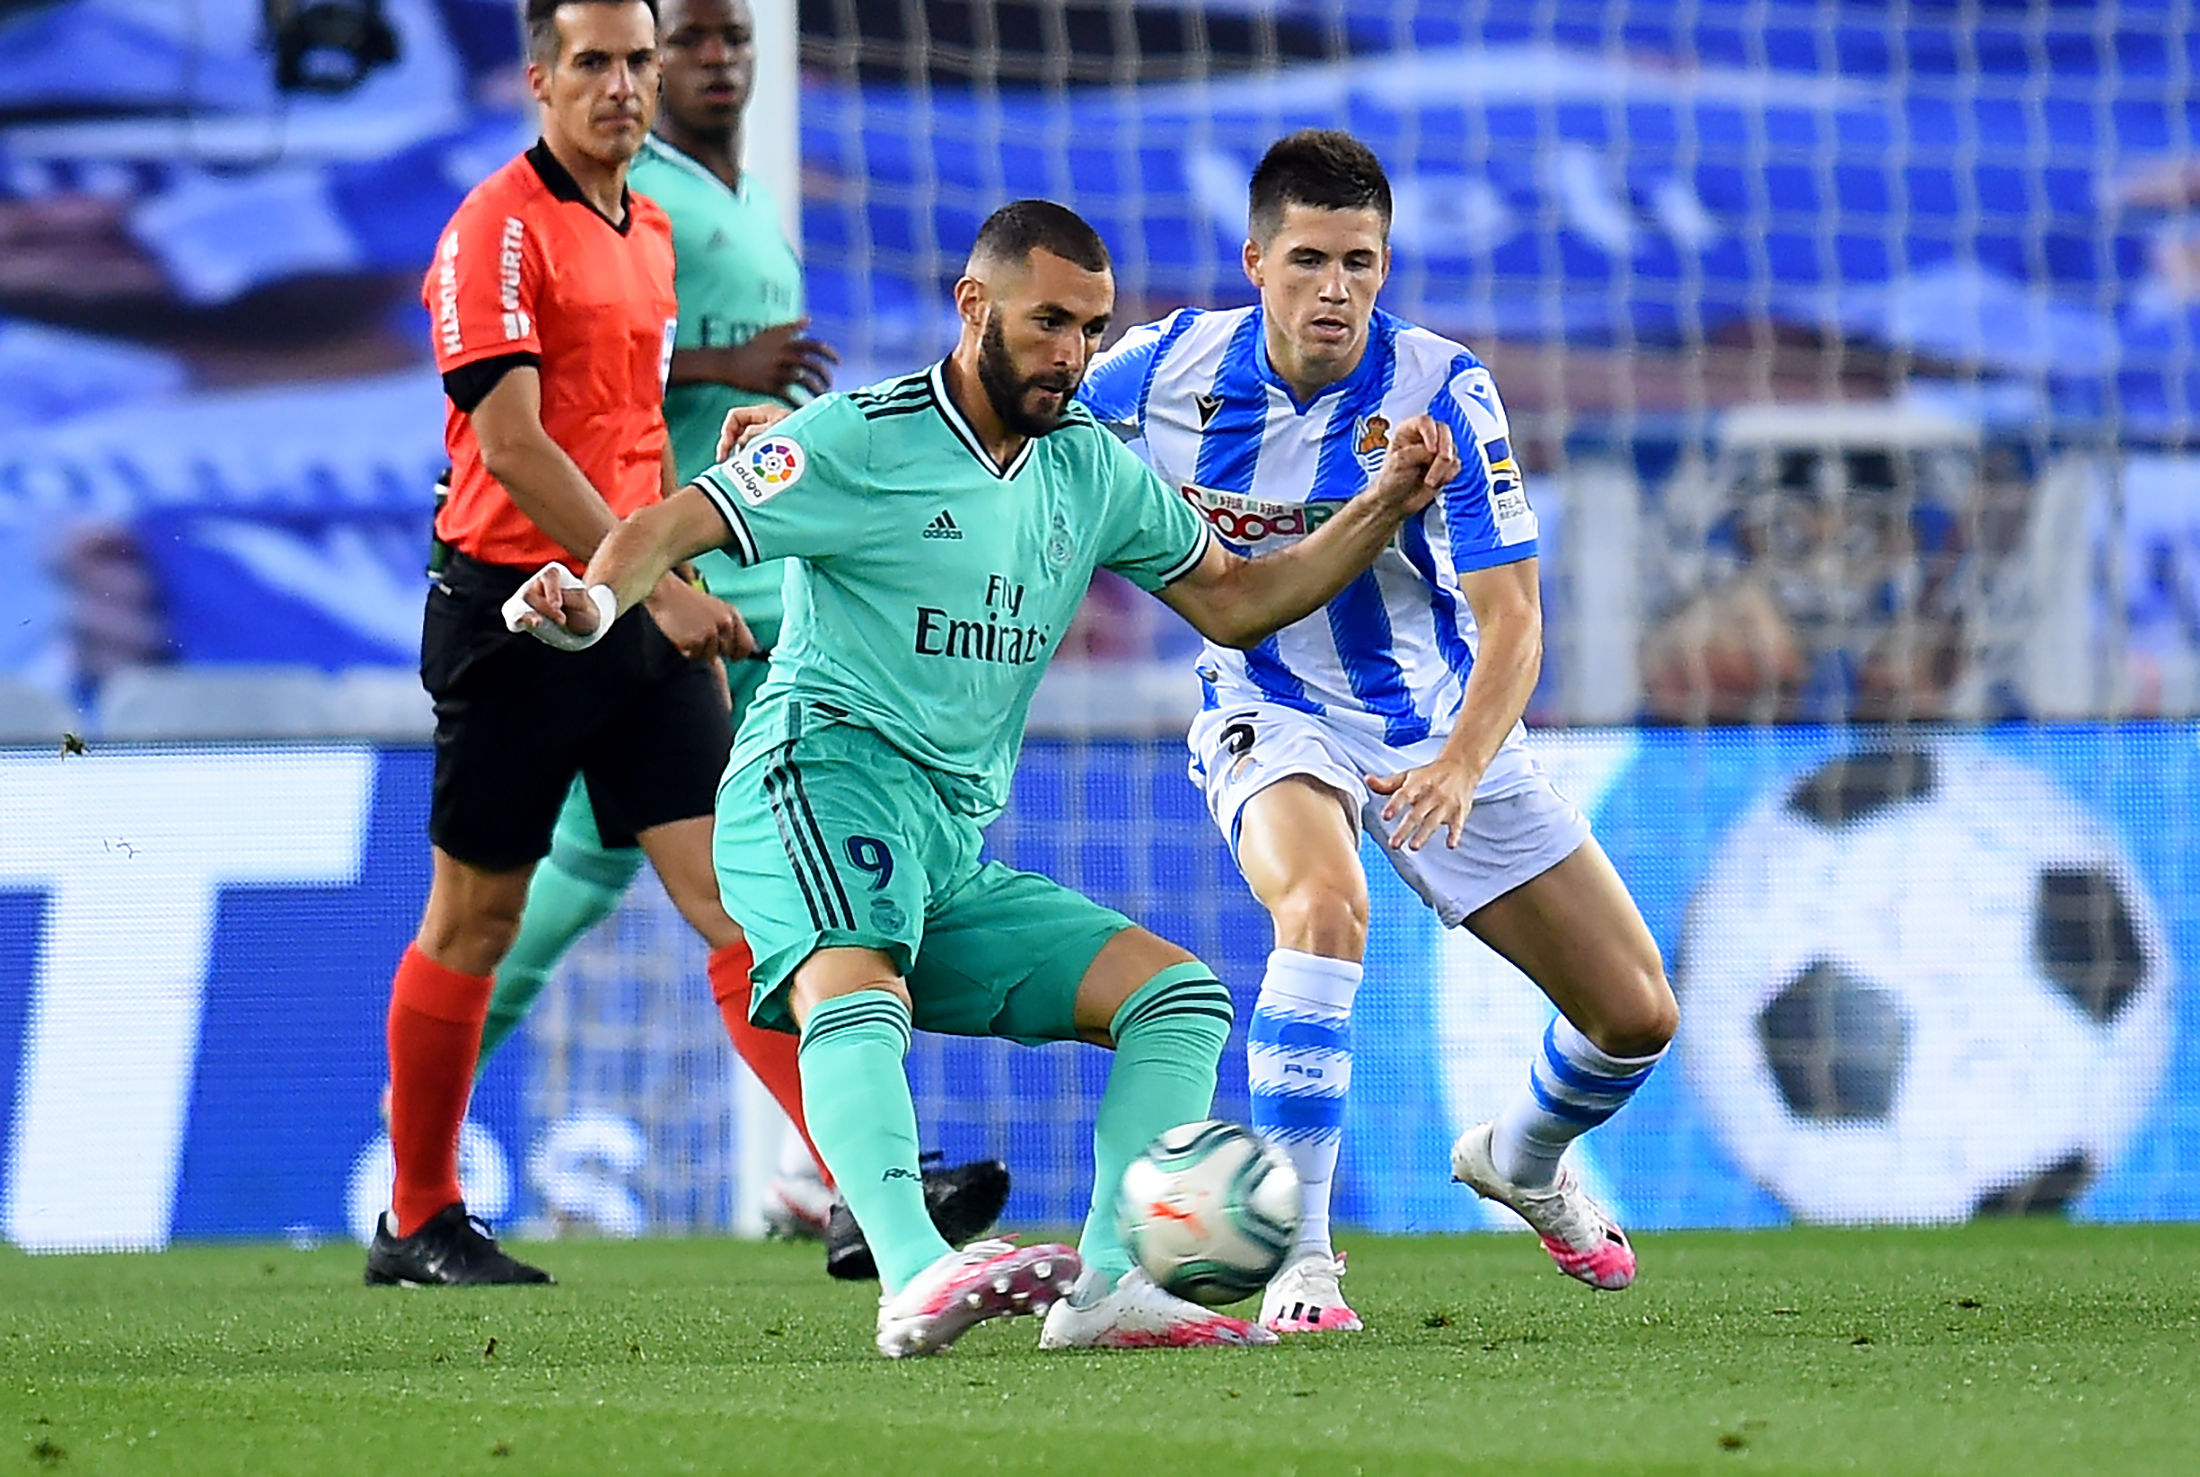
551	296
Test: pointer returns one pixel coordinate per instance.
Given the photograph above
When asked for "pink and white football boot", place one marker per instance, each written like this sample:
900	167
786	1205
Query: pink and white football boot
1580	1234
798	1207
1304	1298
1137	1314
986	1279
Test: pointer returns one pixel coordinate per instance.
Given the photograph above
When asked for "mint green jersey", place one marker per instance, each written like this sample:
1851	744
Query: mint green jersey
735	275
928	586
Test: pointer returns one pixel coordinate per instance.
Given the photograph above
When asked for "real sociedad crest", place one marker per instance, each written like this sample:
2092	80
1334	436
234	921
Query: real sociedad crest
1370	442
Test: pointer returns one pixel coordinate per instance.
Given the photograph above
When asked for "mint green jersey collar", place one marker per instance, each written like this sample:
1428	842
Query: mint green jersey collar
680	159
945	404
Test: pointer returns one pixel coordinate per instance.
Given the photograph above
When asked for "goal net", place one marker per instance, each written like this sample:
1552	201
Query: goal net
1850	352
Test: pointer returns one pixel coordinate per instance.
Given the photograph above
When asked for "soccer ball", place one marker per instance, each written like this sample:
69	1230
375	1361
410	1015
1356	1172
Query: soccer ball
1921	983
1210	1210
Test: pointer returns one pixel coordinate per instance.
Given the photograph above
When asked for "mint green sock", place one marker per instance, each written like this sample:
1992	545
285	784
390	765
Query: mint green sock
1168	1042
855	1093
577	887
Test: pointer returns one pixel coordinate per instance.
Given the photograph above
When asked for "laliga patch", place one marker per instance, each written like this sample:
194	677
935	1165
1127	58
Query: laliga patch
766	468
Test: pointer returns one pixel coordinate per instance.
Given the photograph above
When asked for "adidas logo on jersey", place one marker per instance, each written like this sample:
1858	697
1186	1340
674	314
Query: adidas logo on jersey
943	527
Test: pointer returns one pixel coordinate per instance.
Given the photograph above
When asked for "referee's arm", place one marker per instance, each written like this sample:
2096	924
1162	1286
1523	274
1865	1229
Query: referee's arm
544	483
542	480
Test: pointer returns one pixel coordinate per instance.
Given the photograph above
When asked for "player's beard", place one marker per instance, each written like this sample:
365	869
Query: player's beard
1007	390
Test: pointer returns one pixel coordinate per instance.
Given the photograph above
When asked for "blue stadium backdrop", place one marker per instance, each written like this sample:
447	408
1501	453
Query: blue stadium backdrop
1919	981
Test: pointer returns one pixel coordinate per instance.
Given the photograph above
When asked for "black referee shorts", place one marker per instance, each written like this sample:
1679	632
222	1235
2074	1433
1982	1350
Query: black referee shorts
515	720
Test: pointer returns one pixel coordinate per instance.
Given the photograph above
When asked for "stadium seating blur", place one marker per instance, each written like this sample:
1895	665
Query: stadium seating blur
162	704
31	715
151	703
1643	214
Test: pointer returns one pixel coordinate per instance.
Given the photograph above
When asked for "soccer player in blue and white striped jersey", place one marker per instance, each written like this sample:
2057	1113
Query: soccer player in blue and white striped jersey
1396	708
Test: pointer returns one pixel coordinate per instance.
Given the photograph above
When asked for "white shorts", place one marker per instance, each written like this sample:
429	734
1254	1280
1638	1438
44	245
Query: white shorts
1518	830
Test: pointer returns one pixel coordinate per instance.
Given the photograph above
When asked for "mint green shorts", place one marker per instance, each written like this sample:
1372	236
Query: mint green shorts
838	839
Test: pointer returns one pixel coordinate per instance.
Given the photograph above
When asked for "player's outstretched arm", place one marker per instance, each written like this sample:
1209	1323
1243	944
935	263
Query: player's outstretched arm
627	567
1236	601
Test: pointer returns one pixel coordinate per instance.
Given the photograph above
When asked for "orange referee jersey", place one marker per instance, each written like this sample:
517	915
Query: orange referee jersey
528	272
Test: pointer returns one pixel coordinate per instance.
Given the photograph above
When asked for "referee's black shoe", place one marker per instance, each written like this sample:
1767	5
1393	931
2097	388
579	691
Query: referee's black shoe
451	1249
964	1201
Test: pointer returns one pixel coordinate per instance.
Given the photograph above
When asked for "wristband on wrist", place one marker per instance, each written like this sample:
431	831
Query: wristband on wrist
517	613
607	608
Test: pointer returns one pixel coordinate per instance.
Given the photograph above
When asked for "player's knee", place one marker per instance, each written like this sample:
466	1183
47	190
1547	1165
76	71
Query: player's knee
472	942
1185	1003
1322	915
472	915
597	866
1641	1019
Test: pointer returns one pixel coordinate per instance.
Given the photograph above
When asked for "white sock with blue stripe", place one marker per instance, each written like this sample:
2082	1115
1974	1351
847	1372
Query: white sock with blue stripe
1572	1087
1298	1057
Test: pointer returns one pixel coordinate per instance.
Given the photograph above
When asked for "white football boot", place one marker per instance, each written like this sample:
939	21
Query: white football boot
797	1207
1304	1298
797	1203
1580	1234
986	1279
1137	1314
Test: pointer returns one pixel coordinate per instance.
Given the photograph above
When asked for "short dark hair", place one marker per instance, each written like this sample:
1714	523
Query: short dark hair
1017	229
1326	168
539	20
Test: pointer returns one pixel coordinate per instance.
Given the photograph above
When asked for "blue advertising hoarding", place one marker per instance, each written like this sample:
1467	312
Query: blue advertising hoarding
1919	981
1956	892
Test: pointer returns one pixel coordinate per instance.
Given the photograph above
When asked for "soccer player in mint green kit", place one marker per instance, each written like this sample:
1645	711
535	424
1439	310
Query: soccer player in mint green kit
739	287
941	531
739	342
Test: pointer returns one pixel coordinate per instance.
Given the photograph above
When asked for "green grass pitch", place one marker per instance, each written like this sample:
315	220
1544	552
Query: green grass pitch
1997	1348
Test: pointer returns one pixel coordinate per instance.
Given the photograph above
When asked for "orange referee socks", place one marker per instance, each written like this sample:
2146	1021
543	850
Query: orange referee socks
771	1055
435	1035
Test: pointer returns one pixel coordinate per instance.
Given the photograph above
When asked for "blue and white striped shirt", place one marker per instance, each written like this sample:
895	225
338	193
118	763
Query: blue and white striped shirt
1392	652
